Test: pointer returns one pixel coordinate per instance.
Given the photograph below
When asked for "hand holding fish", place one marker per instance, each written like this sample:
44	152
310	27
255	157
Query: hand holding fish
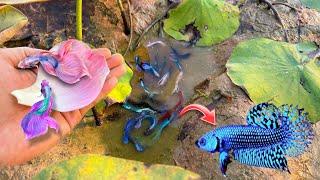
14	148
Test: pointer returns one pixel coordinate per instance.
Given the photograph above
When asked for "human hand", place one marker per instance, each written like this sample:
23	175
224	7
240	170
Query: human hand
14	147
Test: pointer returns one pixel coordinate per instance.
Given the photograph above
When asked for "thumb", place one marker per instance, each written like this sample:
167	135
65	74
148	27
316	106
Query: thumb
15	55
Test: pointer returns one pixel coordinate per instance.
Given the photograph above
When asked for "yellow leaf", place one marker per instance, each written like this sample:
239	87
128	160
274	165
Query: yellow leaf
123	88
12	21
105	167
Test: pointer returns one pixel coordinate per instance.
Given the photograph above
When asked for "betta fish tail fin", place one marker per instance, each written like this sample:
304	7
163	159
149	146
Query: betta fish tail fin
268	157
298	130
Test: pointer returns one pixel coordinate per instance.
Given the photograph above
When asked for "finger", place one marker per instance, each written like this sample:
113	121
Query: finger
118	71
115	60
15	55
103	51
108	86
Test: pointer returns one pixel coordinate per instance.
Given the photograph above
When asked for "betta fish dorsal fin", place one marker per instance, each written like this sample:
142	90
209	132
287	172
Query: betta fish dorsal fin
264	115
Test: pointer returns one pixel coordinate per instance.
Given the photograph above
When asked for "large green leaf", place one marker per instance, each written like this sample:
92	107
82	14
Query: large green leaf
278	71
123	88
105	167
11	21
315	4
215	19
19	1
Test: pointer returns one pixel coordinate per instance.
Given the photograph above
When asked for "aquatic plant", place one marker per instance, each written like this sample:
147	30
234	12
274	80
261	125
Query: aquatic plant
79	20
123	88
209	21
271	134
279	72
311	4
12	21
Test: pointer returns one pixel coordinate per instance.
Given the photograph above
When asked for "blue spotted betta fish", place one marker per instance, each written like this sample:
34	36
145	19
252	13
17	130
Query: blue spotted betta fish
271	134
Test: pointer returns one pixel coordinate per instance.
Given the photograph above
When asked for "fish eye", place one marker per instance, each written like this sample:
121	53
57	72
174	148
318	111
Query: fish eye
202	142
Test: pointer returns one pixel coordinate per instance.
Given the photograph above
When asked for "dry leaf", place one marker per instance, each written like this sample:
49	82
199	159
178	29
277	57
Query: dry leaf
12	20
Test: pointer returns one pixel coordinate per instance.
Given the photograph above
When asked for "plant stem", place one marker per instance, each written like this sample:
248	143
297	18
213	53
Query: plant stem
131	29
123	15
79	37
96	116
172	5
79	20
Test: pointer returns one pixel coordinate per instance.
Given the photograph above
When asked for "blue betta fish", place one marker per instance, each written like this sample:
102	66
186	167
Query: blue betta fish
176	57
146	89
147	67
271	134
136	123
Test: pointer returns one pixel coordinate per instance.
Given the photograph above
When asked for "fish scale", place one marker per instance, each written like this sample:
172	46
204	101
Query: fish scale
248	136
271	157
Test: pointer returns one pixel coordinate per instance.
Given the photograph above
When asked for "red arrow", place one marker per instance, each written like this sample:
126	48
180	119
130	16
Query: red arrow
208	116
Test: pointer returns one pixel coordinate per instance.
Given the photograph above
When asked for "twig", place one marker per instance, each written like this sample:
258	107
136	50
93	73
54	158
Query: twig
123	15
297	11
96	116
131	28
79	20
286	4
152	24
276	13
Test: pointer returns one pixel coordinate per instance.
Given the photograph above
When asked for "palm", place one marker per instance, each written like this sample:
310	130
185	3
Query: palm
11	134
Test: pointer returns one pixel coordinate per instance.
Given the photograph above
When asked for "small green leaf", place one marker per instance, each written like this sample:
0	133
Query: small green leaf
11	21
315	4
278	71
123	88
105	167
216	20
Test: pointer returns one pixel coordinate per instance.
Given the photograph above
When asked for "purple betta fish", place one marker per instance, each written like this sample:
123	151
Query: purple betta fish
68	61
37	121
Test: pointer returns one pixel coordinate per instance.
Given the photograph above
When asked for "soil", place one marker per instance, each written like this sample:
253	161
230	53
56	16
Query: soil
51	22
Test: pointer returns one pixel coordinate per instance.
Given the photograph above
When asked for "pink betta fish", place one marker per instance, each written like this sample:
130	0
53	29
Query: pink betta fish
67	61
38	120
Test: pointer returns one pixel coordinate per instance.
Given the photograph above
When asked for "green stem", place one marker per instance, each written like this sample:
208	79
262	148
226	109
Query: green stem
79	20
